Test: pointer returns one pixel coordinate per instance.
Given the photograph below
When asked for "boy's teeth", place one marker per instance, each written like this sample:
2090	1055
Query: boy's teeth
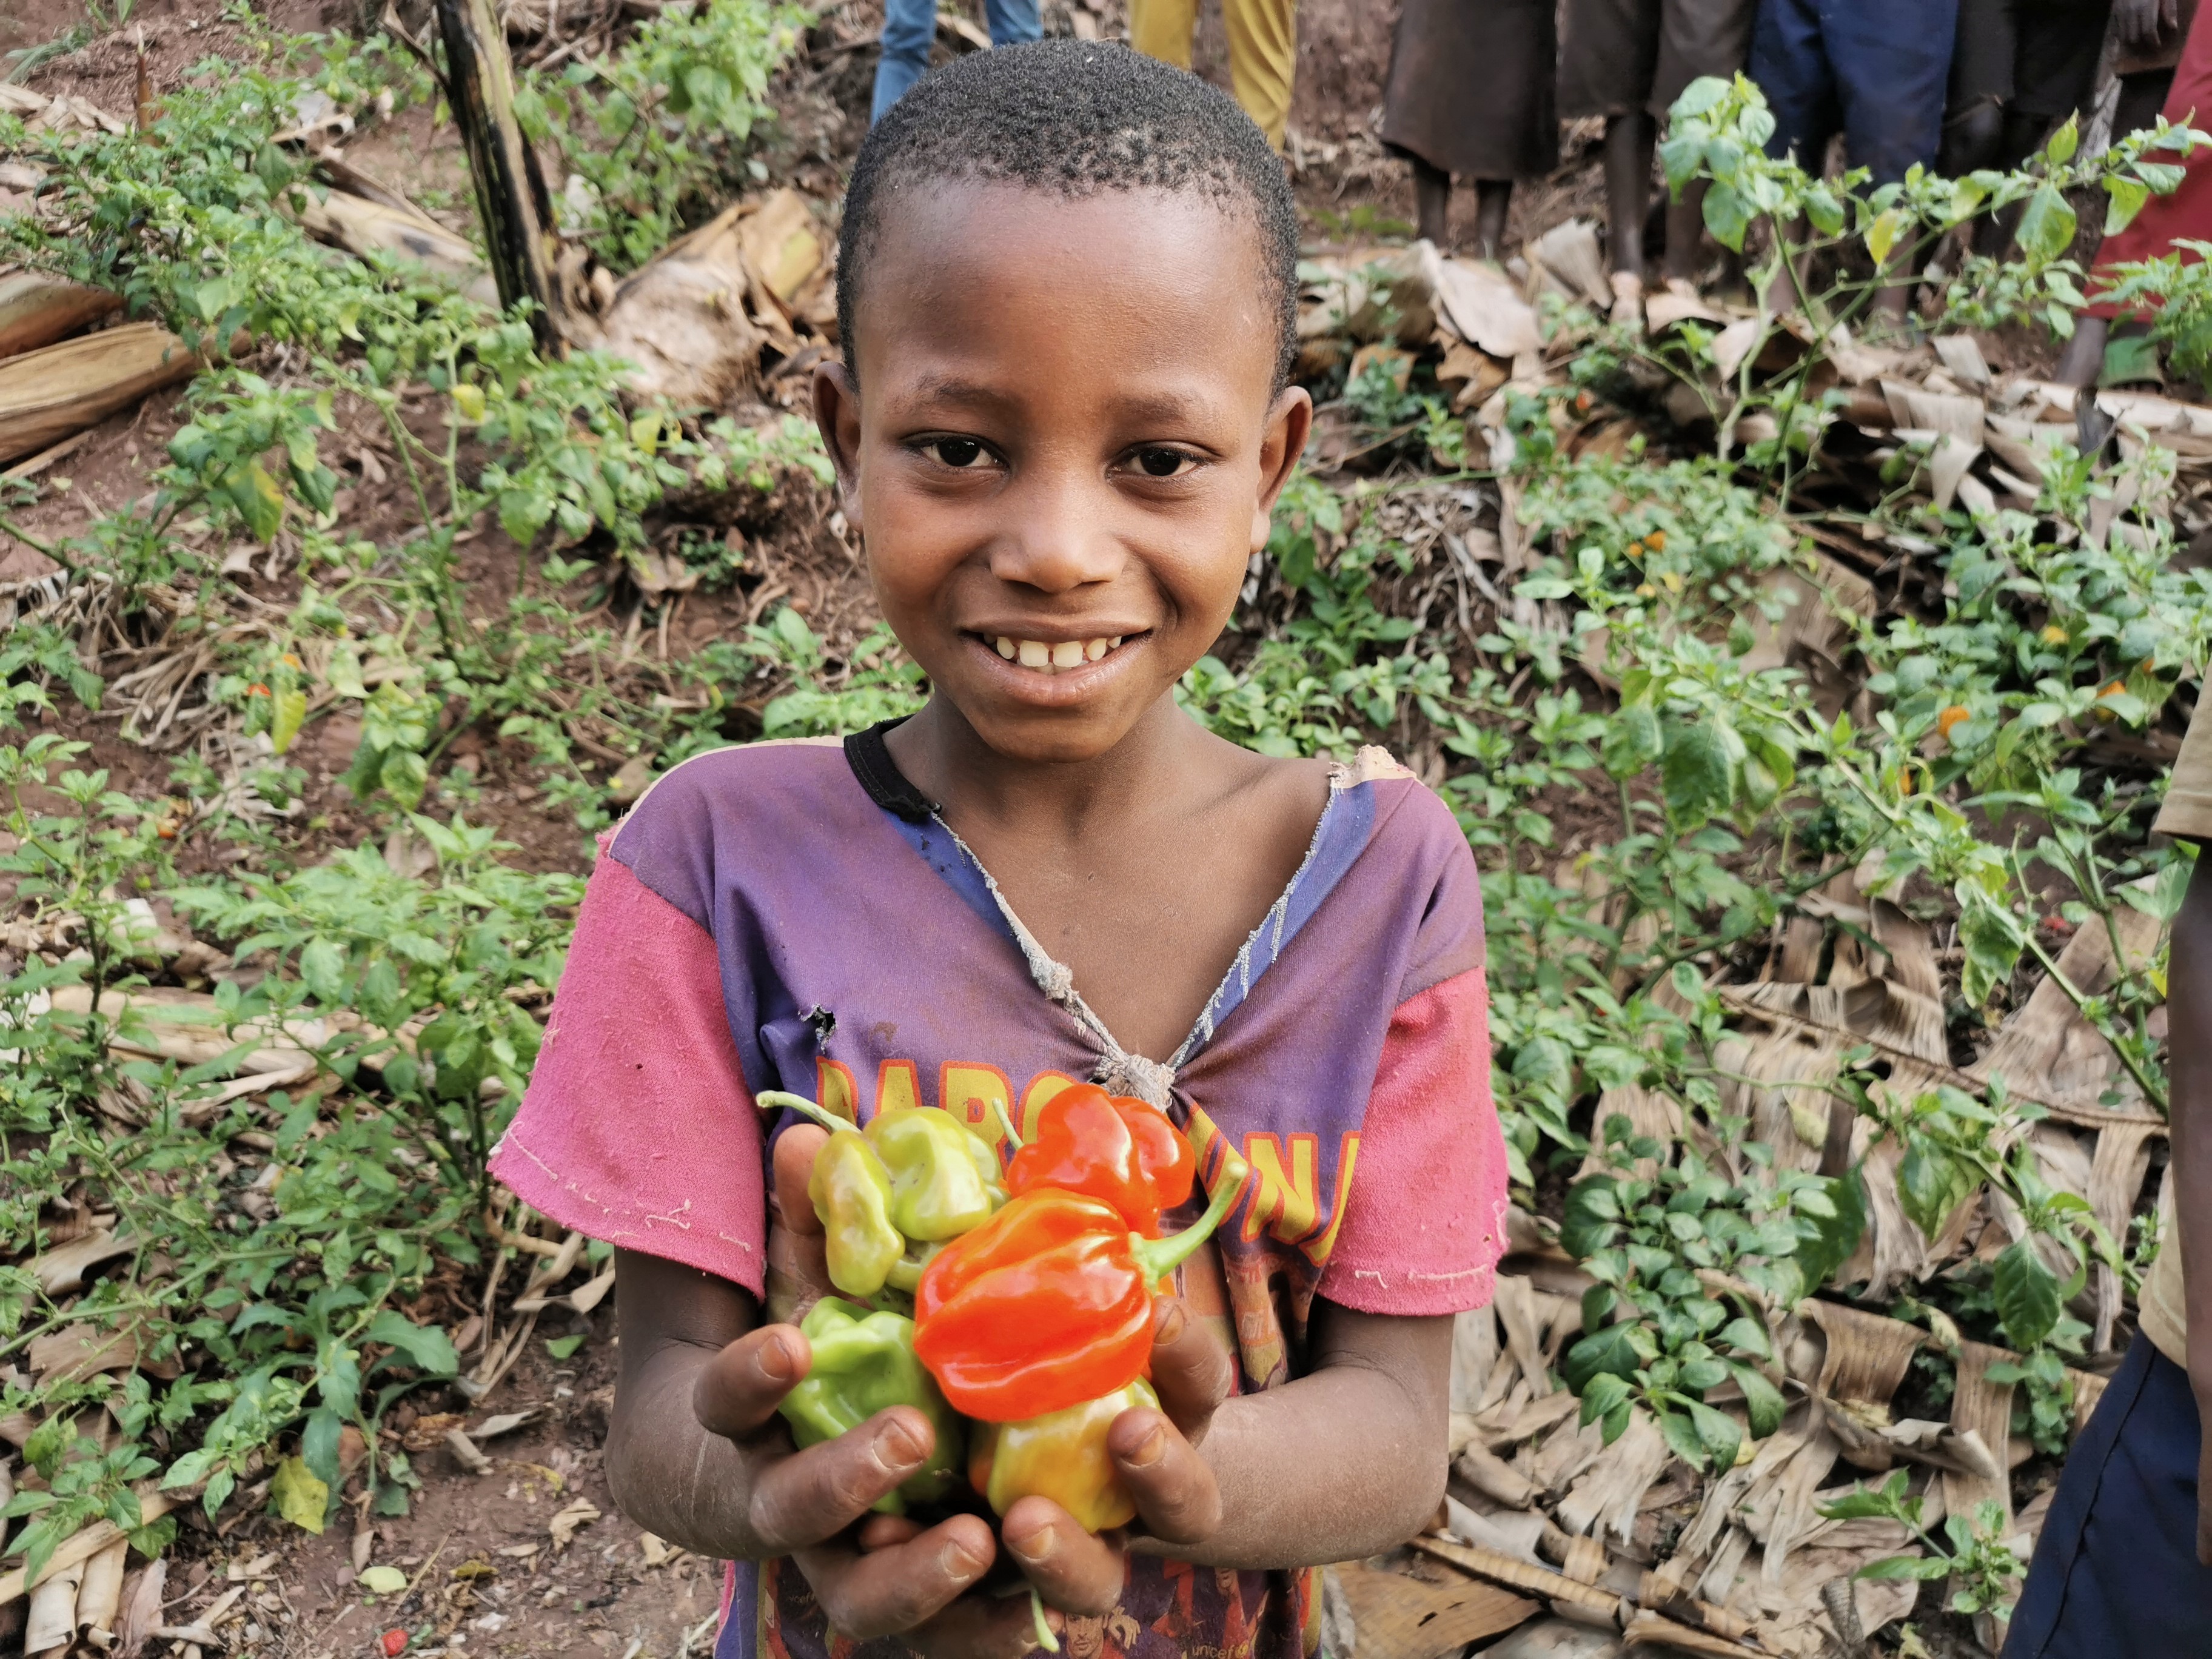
1055	655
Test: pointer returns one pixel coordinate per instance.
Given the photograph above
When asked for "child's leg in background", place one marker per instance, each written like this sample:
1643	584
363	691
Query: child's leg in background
1012	22
1263	57
2116	1571
1892	61
1789	61
1162	28
910	30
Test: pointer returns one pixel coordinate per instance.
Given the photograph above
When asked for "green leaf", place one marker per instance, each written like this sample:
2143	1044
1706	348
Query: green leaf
2128	197
426	1347
383	1581
2064	143
322	970
2026	1294
1923	1567
562	1347
1826	1242
1718	1433
1621	1350
285	719
301	1496
258	499
2046	228
1728	216
1699	774
1763	1402
1931	1183
1681	1437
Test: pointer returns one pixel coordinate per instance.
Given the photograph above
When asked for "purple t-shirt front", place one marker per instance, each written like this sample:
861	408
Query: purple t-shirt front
795	916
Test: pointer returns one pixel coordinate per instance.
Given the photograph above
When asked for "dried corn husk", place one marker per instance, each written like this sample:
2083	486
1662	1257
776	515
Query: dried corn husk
37	309
47	394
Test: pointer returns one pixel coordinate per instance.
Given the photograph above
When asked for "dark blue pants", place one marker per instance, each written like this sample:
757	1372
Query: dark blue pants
1874	70
2116	1573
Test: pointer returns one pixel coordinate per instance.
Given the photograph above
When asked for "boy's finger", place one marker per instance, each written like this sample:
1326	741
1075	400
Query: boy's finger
1192	1372
794	1164
889	1591
799	1501
739	1388
880	1532
1074	1571
1173	1487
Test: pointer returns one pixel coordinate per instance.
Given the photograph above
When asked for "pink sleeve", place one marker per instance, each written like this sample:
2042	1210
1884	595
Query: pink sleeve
1424	1221
637	1127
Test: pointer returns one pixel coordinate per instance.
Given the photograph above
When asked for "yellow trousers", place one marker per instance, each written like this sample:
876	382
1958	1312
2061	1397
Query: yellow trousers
1263	50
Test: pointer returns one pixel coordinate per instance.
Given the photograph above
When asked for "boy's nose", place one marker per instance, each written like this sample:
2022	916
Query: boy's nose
1057	535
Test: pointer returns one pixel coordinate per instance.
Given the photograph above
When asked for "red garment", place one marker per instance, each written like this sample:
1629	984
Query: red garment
2186	215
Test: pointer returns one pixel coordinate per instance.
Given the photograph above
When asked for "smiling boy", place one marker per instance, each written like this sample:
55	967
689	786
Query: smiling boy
1067	288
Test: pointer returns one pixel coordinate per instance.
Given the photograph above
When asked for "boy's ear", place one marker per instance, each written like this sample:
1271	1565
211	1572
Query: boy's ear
1288	423
837	416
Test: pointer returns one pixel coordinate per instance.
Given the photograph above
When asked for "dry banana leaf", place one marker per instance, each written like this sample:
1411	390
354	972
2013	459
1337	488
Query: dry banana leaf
2047	1053
1983	1408
46	395
1401	1618
100	1597
82	1547
361	226
1496	1569
36	310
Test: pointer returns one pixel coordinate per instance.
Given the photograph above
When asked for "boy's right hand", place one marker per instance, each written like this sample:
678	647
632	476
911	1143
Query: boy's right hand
803	1503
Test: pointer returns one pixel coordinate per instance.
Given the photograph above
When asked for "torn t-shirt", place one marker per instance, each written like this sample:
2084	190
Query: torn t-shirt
797	916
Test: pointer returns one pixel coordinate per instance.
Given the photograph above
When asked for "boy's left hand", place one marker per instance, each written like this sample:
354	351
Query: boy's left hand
1178	1502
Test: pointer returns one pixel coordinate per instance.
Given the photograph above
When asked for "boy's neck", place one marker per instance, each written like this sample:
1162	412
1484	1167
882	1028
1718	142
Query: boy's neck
944	757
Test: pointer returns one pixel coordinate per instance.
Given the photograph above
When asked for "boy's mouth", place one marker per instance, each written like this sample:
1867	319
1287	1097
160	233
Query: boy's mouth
1053	656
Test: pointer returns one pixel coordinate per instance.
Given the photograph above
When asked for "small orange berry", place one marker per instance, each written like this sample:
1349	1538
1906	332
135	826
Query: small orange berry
1952	717
2052	634
1657	541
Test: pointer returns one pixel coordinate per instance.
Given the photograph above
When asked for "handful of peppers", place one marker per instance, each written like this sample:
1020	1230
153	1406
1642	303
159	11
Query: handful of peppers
1032	1293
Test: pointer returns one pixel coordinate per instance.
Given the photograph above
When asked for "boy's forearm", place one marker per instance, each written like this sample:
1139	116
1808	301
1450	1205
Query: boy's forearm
1298	1488
668	1474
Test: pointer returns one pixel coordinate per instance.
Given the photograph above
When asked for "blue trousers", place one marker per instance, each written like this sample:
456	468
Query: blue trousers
910	27
1874	70
2116	1573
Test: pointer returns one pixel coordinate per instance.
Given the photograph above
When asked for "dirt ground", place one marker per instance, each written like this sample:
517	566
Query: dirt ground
531	1557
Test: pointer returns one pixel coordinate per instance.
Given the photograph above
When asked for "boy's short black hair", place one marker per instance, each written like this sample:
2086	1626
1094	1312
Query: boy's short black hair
1072	118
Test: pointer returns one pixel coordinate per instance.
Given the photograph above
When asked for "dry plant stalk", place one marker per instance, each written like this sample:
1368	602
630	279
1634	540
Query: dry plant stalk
46	395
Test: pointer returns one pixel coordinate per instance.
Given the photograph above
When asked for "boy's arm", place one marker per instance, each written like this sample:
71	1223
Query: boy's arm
2188	1026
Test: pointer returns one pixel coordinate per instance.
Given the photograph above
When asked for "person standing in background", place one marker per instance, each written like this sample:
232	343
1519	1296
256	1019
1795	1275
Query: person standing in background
1263	50
1628	61
2150	36
1874	70
2184	216
2018	68
1470	93
910	29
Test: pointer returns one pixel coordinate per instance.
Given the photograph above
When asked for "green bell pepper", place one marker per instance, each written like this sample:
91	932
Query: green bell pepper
865	1364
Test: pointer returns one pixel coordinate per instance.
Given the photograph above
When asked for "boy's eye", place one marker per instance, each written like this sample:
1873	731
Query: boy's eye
1162	463
960	453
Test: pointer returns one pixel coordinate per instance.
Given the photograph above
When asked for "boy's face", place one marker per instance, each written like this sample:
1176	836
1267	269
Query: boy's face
1064	450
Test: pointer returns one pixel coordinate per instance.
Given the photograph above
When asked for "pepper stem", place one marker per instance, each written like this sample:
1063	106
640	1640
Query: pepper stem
806	1108
1046	1639
1013	1135
1159	1257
